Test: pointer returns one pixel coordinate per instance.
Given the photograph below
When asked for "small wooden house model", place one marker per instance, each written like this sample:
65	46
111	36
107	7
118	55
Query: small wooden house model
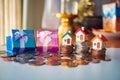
98	42
81	34
67	39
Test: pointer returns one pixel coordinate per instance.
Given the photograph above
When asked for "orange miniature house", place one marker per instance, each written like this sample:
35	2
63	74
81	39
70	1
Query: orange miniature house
98	42
81	34
67	39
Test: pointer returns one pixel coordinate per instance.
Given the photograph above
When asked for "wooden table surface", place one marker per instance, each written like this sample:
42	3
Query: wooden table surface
113	44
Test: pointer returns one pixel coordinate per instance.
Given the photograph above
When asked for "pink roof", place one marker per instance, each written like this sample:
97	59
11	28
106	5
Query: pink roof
81	30
102	38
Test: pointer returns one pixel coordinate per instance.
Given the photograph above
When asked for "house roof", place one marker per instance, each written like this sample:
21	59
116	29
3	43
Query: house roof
67	33
102	38
84	31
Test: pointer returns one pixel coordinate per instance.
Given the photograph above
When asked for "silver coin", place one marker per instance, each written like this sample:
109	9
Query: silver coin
107	59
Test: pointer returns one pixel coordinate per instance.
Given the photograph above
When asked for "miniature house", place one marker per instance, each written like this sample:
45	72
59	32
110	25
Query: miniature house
67	39
98	42
81	34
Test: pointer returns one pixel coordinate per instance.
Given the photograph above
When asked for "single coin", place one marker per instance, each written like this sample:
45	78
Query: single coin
107	59
36	63
72	64
53	61
94	60
82	62
45	55
68	63
21	61
8	58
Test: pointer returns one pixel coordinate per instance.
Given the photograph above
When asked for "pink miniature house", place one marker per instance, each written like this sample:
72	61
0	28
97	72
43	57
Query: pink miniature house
98	42
67	39
81	34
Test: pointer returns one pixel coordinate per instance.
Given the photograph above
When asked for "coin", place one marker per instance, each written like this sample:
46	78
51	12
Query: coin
53	60
64	62
66	50
8	58
68	63
45	55
72	64
82	48
36	63
107	59
53	63
82	62
23	58
95	60
21	61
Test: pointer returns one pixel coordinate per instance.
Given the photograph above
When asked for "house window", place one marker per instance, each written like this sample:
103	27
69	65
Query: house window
94	44
98	45
81	37
68	41
65	40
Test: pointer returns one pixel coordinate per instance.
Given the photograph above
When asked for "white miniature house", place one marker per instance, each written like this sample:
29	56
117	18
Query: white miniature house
98	42
81	34
67	39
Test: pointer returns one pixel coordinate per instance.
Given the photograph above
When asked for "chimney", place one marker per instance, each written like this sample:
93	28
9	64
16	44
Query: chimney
69	31
100	35
83	28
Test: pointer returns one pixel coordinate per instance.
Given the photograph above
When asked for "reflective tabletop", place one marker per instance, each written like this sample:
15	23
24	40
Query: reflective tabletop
99	71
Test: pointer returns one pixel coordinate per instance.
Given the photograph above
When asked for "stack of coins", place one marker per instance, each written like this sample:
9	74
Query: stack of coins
82	48
54	60
23	58
38	61
8	59
95	60
45	55
68	63
82	62
98	54
66	50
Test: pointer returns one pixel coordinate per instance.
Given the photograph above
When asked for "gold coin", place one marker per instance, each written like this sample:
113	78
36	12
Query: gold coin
51	63
94	60
35	63
82	62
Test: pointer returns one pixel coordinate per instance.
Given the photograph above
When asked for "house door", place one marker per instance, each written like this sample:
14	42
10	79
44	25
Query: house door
81	37
68	41
98	45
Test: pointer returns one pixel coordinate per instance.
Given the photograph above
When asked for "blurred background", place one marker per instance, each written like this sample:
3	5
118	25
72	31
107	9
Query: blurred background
37	14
